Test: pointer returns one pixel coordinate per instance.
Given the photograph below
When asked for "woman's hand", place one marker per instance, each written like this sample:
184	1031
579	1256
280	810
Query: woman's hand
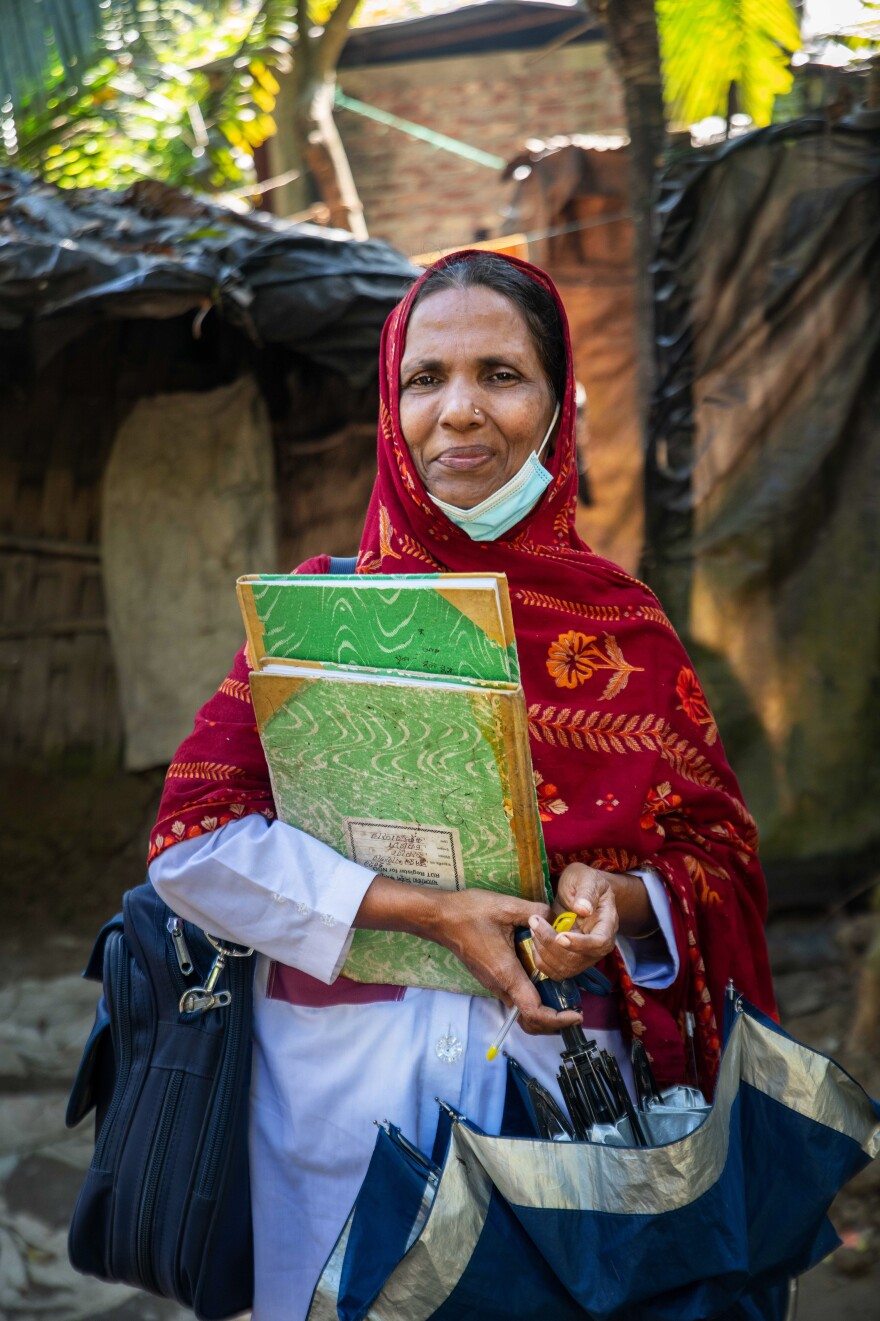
605	903
478	927
591	895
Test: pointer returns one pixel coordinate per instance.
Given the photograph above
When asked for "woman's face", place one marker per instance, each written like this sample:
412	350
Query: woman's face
474	400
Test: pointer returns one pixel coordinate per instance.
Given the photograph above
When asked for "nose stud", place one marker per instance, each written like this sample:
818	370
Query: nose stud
476	412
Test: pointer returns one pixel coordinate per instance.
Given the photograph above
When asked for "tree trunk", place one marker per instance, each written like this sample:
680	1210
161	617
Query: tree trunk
632	31
324	155
307	137
284	154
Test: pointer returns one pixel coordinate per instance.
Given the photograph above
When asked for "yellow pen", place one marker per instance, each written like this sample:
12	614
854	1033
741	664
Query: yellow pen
564	922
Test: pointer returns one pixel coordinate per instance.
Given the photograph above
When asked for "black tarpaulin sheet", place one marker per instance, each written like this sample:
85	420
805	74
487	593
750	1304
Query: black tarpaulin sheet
156	252
763	477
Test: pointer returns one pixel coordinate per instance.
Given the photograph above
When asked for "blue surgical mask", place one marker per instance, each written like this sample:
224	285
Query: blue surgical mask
505	507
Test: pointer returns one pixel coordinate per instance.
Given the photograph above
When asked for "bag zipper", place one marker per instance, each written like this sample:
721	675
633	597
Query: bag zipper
147	1212
217	1121
118	985
174	927
221	1116
177	955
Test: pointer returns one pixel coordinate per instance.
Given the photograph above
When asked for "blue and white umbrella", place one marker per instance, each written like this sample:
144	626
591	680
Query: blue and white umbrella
710	1226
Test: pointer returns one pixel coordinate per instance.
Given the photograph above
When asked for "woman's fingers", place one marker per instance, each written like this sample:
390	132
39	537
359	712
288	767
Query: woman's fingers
565	954
507	979
547	1022
582	889
535	1017
479	929
521	911
603	929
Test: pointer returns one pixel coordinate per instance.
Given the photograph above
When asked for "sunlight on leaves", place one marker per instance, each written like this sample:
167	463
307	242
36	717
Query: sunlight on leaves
709	46
186	96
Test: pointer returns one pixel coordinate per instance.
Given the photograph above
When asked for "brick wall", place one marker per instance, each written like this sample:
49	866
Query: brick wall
421	198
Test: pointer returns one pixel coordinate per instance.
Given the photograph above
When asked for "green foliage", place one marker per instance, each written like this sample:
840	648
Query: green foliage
708	46
184	96
45	41
102	92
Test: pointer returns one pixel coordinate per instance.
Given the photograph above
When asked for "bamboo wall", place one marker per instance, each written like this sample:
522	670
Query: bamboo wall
59	706
57	687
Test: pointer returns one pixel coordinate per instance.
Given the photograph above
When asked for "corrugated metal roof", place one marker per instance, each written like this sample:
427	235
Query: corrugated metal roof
495	25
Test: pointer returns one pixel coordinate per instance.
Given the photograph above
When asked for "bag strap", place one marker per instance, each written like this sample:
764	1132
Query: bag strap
343	563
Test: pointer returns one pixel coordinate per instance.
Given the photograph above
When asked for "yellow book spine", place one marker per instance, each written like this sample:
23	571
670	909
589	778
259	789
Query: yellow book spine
253	626
525	822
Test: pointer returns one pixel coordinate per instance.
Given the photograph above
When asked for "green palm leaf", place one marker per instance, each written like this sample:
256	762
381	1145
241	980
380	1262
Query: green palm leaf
185	97
45	42
707	46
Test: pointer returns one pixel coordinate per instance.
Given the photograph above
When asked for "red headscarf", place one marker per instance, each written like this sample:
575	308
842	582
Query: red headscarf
628	764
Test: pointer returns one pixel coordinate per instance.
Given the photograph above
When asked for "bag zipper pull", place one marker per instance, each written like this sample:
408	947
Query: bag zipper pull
201	998
181	949
199	1001
215	970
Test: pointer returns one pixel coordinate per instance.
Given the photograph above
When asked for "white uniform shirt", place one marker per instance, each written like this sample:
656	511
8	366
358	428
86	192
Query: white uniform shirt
322	1076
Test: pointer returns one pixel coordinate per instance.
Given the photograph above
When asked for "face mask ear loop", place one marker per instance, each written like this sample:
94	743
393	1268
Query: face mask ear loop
540	450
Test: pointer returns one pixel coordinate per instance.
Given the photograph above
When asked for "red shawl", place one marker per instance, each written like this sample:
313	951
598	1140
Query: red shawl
628	763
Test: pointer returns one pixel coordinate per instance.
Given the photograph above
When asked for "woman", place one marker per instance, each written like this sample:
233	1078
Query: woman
648	838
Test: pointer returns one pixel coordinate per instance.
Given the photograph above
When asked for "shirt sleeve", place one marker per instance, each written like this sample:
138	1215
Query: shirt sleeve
268	885
652	962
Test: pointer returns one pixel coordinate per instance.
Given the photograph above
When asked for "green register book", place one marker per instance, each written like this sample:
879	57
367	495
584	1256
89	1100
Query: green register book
394	727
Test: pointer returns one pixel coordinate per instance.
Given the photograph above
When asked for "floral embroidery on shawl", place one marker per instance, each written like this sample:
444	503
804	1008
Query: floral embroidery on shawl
549	802
574	657
694	703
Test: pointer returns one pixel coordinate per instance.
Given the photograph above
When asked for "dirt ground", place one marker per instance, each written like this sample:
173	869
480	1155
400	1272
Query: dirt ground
51	914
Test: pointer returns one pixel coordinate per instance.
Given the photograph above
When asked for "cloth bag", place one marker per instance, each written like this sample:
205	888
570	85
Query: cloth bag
712	1225
165	1205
